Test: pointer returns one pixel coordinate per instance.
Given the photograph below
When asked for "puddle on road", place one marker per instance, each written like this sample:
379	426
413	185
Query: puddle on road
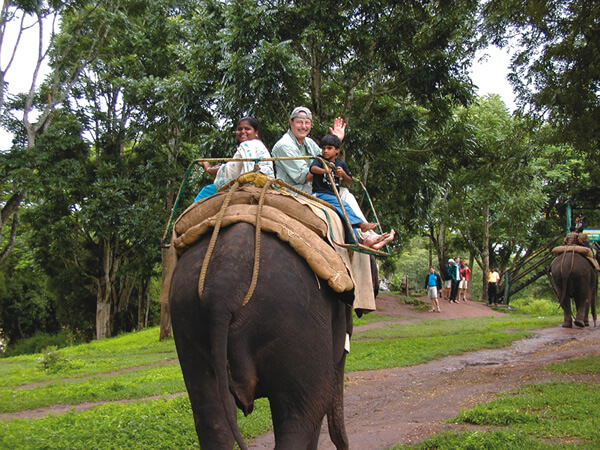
543	340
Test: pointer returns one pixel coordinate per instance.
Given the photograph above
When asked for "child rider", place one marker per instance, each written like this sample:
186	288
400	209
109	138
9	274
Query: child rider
322	189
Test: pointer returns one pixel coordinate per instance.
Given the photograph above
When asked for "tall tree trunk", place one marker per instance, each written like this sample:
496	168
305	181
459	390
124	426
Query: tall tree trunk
485	251
165	311
165	321
140	307
439	243
104	294
102	311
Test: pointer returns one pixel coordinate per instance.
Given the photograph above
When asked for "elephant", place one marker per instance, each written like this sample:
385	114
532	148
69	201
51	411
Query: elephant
575	278
288	343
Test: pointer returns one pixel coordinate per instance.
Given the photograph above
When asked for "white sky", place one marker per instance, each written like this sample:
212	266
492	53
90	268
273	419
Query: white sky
489	75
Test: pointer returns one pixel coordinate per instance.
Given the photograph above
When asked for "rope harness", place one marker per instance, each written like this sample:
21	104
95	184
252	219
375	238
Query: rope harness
256	177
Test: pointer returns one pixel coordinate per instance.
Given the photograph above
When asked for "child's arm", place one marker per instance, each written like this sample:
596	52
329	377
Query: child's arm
318	170
341	173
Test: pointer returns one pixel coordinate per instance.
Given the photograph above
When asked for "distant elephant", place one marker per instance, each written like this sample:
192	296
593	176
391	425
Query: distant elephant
287	343
575	278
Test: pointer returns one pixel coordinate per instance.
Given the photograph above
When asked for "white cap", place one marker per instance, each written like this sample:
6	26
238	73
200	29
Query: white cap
301	110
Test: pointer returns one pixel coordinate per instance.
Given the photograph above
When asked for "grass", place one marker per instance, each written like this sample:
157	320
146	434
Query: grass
588	365
129	350
168	422
372	318
409	344
555	412
538	416
147	382
160	424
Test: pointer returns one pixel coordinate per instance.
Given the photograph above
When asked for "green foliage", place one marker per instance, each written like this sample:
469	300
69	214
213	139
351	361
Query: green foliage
53	361
36	343
533	306
554	70
162	84
411	262
26	305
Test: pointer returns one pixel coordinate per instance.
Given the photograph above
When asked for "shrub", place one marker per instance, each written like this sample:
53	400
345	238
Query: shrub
38	342
52	361
536	307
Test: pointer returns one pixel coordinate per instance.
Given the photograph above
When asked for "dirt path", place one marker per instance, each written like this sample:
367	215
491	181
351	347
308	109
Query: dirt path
407	405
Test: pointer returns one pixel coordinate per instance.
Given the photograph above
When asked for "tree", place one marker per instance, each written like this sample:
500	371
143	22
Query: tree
496	192
37	109
386	67
555	67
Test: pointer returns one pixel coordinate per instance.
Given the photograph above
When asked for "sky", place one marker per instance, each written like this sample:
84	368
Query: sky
488	74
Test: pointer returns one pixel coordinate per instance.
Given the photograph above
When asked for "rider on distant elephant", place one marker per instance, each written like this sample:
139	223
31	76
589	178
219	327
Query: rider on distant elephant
573	238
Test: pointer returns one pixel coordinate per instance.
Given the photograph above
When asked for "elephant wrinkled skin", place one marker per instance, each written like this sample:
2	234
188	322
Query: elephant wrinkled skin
575	278
286	344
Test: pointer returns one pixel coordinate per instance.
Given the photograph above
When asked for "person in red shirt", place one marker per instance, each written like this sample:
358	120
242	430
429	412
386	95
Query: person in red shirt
463	285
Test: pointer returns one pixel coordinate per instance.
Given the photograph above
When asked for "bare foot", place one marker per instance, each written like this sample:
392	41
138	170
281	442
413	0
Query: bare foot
366	226
385	241
374	238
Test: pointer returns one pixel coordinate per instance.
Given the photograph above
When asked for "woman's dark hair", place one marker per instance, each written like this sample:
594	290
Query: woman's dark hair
251	120
331	139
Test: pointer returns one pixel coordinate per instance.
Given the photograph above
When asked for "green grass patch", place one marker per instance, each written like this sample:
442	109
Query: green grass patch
68	378
588	365
560	412
160	424
129	350
475	440
147	382
409	344
536	306
372	318
537	416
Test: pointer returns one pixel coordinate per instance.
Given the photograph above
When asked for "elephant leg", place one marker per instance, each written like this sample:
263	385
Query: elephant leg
314	441
580	303
586	318
294	436
209	415
567	319
580	314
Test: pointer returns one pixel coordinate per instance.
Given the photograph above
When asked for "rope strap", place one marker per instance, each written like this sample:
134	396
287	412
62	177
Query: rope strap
213	238
261	181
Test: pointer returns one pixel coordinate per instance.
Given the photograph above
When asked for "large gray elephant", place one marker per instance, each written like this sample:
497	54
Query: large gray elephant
287	343
575	278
